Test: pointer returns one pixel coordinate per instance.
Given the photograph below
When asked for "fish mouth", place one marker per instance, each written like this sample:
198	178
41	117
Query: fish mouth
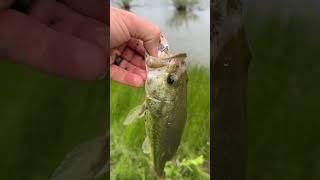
176	64
168	60
181	56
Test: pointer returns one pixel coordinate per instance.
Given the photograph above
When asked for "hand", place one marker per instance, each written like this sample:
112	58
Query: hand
67	37
130	37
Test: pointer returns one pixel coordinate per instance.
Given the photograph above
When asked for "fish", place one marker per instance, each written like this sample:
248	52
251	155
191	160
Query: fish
165	115
164	107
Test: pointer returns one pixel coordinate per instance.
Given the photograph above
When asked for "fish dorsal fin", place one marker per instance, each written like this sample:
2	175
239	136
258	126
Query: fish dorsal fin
146	146
136	113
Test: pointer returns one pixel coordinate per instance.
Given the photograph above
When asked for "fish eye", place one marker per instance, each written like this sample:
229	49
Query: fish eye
170	79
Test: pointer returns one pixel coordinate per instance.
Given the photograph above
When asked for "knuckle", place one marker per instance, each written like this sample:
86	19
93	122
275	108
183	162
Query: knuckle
157	30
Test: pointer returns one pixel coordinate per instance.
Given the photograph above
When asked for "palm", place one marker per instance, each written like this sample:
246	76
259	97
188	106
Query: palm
131	69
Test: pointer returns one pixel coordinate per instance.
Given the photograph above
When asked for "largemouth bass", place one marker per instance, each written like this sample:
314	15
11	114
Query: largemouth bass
165	105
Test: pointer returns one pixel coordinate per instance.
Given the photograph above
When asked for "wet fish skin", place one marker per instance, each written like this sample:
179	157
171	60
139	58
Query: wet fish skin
165	107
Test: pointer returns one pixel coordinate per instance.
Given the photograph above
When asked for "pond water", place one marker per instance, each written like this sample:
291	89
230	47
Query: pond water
186	32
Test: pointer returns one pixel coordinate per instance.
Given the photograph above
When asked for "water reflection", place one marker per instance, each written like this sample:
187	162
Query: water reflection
181	18
126	4
123	4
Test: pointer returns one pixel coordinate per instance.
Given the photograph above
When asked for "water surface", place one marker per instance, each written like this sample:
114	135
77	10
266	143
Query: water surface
186	32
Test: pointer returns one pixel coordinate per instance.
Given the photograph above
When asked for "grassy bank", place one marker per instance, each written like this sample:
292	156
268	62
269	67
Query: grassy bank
127	158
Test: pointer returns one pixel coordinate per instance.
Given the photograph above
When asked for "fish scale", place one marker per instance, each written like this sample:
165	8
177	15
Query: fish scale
164	107
165	120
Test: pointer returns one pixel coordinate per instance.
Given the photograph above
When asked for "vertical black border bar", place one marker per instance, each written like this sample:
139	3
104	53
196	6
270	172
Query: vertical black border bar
213	141
230	58
108	87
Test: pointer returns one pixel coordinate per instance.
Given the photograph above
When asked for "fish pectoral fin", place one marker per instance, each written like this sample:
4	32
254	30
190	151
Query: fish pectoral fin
146	146
135	114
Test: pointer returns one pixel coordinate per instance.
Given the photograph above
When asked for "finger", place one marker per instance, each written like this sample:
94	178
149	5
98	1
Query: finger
138	61
47	49
98	9
125	77
149	34
134	58
134	69
63	19
137	45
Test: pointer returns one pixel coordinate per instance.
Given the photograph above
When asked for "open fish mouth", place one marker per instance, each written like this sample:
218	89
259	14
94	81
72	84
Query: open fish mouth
174	65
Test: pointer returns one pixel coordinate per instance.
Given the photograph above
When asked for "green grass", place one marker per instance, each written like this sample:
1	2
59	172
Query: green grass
127	158
43	117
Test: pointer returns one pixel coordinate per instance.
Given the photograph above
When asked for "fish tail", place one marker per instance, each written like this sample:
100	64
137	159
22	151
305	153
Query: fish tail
160	177
159	168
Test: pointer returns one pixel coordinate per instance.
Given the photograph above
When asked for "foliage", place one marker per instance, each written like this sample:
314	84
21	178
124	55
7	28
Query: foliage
125	4
182	5
181	18
186	168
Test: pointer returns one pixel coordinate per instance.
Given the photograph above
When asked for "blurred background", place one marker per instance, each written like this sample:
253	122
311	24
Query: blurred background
283	89
186	30
186	26
42	118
